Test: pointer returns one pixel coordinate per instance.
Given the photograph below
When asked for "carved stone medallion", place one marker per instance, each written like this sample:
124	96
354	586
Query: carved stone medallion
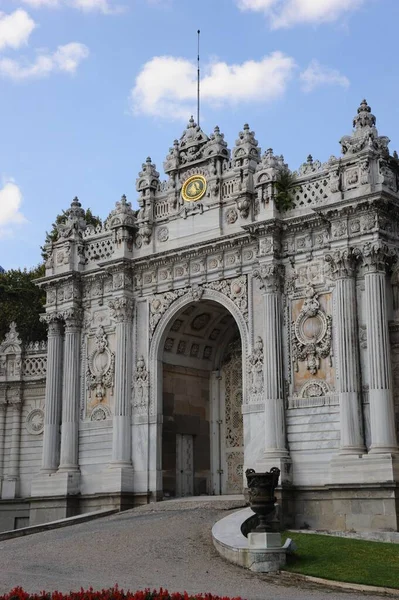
35	421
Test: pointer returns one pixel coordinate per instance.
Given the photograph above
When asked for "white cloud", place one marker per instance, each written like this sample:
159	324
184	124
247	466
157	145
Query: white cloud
106	7
286	13
15	29
65	59
316	75
10	205
167	87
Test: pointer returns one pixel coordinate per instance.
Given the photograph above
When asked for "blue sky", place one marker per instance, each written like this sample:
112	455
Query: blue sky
90	88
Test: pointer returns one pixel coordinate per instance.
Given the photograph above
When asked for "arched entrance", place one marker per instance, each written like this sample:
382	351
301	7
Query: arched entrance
199	383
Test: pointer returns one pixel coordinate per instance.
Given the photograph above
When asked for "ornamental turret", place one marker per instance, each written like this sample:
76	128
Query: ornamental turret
122	222
147	184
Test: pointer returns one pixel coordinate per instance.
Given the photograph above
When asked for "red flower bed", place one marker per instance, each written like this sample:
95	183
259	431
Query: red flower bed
112	594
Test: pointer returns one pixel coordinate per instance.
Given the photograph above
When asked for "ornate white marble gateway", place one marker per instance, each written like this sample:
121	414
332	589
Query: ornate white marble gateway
210	332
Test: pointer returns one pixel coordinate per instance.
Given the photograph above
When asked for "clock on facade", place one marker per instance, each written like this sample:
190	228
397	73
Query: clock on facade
194	188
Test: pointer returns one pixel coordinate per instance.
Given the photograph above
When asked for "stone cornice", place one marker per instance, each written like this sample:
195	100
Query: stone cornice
193	250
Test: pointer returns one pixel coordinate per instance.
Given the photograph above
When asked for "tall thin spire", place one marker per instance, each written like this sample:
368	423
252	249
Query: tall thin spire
198	78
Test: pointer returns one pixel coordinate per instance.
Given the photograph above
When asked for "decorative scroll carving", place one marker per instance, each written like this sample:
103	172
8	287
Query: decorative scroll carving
235	289
100	367
270	277
140	387
311	334
315	388
160	304
343	262
12	342
100	412
121	309
255	372
377	257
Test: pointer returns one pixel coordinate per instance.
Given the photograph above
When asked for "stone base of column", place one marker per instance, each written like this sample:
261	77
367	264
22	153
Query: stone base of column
61	483
45	510
274	459
9	489
364	468
117	478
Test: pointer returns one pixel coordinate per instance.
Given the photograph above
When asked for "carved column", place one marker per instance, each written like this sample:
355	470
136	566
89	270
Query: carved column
377	257
52	414
122	312
270	276
343	264
15	406
70	392
3	406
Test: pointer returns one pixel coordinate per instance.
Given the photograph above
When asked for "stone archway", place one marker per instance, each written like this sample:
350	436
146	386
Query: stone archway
197	391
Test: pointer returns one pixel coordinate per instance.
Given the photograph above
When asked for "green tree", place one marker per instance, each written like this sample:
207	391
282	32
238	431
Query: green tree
285	188
22	301
52	236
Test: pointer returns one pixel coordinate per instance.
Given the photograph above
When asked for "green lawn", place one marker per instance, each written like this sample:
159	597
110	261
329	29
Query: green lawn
344	559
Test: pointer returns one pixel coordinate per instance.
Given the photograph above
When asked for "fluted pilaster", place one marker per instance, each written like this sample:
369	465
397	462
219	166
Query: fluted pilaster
275	439
15	406
122	312
343	265
382	415
52	413
3	406
70	393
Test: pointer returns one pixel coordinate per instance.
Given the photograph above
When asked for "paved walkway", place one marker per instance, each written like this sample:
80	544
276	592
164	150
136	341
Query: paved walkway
166	544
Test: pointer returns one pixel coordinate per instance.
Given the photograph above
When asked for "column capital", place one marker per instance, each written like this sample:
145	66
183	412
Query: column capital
378	257
14	399
53	322
121	309
343	263
73	318
270	277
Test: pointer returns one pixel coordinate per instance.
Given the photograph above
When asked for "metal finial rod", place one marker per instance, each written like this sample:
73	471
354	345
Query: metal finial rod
198	79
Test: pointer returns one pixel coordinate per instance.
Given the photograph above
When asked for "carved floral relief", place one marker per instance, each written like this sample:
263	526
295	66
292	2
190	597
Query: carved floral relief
100	368
311	338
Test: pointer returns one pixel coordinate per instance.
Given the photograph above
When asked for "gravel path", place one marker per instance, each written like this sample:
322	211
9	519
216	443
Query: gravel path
167	544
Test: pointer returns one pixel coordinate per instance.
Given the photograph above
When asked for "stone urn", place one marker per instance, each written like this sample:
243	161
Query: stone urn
261	487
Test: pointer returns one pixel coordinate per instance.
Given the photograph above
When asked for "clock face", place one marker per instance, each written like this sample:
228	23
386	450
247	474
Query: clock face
194	188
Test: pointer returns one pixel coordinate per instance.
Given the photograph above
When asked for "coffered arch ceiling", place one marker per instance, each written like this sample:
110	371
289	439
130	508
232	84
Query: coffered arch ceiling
198	334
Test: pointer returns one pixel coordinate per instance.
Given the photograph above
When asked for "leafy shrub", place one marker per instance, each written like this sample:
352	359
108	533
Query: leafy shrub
111	594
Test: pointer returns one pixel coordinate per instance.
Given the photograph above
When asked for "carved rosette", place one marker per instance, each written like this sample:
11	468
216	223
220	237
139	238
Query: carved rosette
100	367
140	387
378	257
311	334
255	372
121	309
343	263
270	277
35	421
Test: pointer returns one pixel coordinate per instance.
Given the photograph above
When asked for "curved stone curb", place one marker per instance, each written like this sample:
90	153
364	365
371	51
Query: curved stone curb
230	542
15	533
355	587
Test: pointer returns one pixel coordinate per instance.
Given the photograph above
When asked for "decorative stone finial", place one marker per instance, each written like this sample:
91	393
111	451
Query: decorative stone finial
74	220
365	134
148	176
246	148
122	215
364	118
